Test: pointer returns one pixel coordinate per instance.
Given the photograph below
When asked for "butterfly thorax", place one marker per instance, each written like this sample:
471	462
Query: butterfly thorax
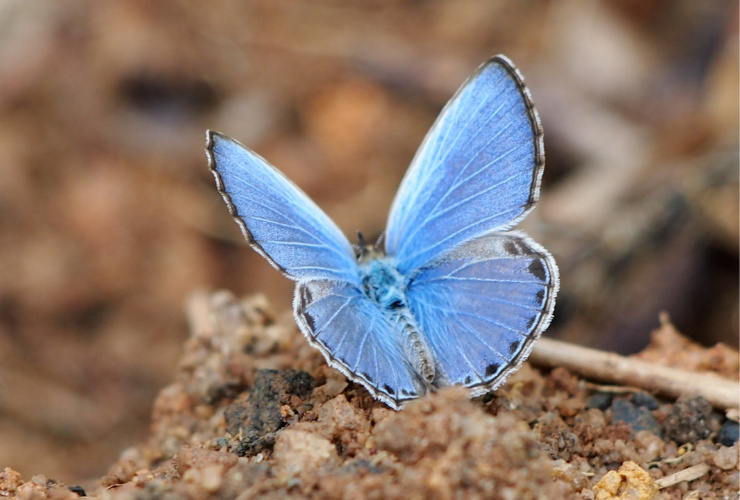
385	286
381	281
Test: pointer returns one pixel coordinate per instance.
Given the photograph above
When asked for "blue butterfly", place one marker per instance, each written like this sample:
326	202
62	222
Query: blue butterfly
456	297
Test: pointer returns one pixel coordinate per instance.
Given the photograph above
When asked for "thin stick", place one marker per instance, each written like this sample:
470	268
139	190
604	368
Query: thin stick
688	474
616	369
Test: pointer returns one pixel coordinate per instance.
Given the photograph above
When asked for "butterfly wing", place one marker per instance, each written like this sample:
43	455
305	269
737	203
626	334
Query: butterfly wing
478	169
278	219
288	229
356	338
482	305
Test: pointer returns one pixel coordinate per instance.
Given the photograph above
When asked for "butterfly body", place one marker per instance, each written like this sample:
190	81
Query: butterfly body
381	281
386	287
457	298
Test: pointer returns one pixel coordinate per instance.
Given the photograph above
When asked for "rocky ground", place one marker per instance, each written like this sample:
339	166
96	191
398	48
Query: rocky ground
255	412
109	219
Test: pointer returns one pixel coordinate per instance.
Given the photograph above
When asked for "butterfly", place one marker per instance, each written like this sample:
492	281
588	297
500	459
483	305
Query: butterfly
456	297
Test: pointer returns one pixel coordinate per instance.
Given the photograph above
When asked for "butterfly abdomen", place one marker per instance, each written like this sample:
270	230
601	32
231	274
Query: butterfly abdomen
385	286
416	348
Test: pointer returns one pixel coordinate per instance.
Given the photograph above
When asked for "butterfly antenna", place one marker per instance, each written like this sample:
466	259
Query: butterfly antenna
361	246
380	241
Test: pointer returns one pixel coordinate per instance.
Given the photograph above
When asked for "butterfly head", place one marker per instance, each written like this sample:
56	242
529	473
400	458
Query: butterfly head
366	252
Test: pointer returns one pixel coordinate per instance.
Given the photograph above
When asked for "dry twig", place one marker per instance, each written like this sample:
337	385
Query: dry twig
616	369
688	474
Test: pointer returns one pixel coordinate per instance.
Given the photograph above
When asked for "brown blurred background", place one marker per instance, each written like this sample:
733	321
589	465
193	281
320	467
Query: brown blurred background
109	217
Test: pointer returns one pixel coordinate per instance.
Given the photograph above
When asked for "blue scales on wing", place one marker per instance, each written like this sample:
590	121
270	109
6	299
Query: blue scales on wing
478	169
288	229
278	219
482	305
357	339
458	298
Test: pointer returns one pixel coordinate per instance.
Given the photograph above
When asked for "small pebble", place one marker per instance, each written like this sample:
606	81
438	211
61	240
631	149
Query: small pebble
645	400
77	489
688	421
725	458
600	401
638	418
728	434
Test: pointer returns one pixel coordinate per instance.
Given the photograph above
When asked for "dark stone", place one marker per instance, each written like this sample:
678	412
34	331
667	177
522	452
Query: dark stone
688	421
645	400
236	414
221	391
253	443
600	401
638	418
258	417
728	433
77	489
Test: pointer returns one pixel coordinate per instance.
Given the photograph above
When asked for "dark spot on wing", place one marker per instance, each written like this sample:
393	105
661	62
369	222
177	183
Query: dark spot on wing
468	379
511	248
306	300
538	270
388	389
492	369
367	377
306	297
530	322
408	393
309	321
513	347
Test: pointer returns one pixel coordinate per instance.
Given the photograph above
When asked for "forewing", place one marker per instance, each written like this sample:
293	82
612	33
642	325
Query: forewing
482	306
478	169
278	219
355	338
